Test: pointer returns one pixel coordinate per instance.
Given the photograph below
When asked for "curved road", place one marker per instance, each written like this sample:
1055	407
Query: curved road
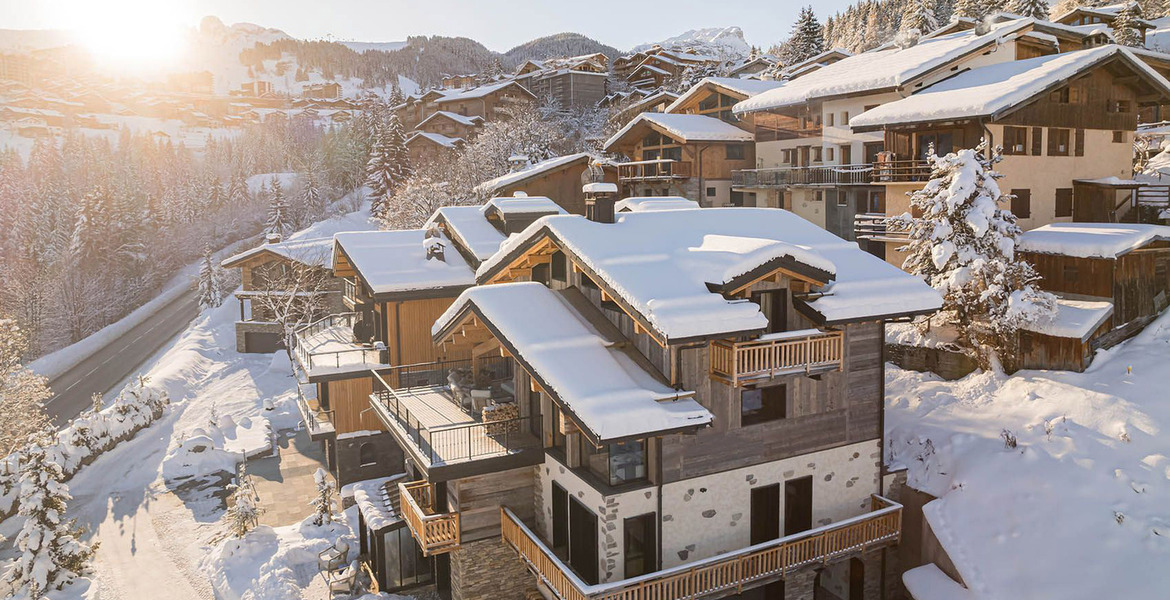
107	367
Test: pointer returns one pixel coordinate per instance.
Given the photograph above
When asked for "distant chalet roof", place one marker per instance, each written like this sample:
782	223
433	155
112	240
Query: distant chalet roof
600	187
438	138
309	251
1091	240
599	383
888	68
746	88
675	282
394	262
492	186
647	203
522	205
998	89
481	91
470	228
458	118
684	128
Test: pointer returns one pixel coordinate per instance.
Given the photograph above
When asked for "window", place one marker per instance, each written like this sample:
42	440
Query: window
367	455
816	154
1037	141
1118	137
842	199
1059	96
1119	106
627	462
846	154
559	440
540	273
641	554
1070	274
1022	203
1015	141
870	107
831	118
820	196
845	118
1058	142
560	266
829	154
734	151
710	192
1064	202
762	405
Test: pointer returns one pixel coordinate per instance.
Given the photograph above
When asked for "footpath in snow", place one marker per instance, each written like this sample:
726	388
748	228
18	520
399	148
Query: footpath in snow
1079	508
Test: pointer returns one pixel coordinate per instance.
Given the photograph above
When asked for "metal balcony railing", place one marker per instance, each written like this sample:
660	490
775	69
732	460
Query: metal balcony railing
858	174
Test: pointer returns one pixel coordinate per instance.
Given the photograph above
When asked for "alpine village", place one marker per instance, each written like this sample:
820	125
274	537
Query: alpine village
874	313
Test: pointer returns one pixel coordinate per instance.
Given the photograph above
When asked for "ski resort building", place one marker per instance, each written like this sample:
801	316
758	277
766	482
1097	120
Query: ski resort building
678	403
574	82
842	146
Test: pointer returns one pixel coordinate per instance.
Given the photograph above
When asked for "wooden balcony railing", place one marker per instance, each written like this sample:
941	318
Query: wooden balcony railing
901	171
652	170
859	174
435	533
720	575
776	354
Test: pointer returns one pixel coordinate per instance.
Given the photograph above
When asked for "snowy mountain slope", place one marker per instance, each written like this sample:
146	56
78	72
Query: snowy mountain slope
1079	508
717	41
560	45
379	46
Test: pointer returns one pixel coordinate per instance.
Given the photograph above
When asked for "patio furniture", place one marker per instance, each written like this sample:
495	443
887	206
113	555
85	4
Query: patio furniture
333	557
342	582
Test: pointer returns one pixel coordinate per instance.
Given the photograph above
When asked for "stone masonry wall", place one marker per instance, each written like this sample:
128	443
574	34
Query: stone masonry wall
489	570
390	460
245	327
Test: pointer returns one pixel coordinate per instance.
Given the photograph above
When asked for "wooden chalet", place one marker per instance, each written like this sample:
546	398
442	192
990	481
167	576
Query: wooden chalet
451	125
426	147
630	431
483	101
1093	19
559	178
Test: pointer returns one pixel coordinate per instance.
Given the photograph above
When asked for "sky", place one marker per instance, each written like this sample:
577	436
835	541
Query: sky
498	24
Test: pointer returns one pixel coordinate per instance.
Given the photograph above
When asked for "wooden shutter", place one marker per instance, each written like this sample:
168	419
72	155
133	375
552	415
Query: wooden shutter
1022	203
1037	141
1080	143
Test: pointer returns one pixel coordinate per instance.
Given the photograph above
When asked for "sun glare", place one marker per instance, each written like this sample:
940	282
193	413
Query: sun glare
131	34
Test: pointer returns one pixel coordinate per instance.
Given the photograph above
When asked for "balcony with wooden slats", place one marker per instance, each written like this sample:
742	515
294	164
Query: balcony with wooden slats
721	575
653	170
901	171
812	176
807	351
436	533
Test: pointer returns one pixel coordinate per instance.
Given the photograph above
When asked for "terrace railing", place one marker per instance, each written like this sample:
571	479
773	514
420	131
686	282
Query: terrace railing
651	170
901	171
357	355
858	174
435	533
777	354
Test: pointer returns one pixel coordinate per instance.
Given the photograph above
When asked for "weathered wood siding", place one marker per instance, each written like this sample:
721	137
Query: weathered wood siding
562	186
478	500
1095	92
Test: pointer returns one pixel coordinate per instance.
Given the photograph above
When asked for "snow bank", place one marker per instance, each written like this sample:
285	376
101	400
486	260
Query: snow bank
1080	500
217	447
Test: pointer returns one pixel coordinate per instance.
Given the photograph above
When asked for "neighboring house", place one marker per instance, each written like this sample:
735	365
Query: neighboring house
651	68
755	67
842	145
559	178
425	147
689	155
451	125
263	271
483	101
329	90
678	404
630	105
1092	19
1112	279
574	82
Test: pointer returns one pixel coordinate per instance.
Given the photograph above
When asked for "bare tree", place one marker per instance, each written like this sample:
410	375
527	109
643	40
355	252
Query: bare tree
294	292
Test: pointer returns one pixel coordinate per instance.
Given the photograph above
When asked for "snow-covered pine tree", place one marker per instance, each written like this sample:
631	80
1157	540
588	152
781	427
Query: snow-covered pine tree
1156	9
22	392
919	14
237	192
396	96
1125	31
1036	9
380	174
977	9
323	502
277	210
51	552
312	200
964	246
807	38
210	290
244	513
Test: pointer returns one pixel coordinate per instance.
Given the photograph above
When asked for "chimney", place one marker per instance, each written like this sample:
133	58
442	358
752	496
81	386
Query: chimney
600	199
433	244
272	237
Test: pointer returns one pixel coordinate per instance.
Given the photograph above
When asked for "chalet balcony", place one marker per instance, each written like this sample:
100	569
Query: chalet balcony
901	171
445	418
779	177
352	295
318	421
878	227
653	170
805	351
436	533
721	575
328	347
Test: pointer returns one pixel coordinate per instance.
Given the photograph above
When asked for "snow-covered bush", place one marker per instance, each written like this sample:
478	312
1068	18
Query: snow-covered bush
323	502
964	245
244	513
51	553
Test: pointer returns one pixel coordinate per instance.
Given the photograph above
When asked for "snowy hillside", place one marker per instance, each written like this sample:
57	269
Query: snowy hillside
1084	482
379	46
716	41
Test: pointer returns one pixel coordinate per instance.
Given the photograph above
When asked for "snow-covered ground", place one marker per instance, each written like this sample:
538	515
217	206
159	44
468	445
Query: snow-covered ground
1079	508
154	540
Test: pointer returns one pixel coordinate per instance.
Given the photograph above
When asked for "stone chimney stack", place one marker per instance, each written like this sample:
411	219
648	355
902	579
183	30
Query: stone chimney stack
272	237
600	199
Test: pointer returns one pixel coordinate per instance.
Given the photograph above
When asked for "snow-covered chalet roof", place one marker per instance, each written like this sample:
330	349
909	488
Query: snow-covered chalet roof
745	88
1076	319
882	69
391	262
685	129
481	91
458	118
600	187
996	89
311	251
438	138
646	203
1091	240
372	497
669	266
492	186
469	228
599	383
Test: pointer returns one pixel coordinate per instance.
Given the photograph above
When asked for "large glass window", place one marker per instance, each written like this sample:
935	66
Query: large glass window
627	462
1015	140
641	554
762	405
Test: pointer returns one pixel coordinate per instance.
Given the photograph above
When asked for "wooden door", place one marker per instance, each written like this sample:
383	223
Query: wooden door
582	541
765	513
856	579
798	505
560	520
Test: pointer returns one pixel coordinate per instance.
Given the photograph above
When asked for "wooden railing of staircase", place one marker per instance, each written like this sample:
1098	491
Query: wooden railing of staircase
720	575
435	533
